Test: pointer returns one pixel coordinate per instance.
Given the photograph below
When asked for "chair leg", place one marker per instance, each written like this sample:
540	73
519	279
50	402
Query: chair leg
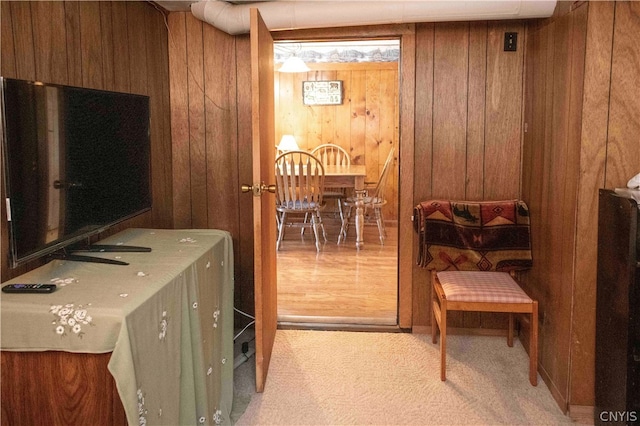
345	226
321	225
533	345
341	212
281	230
380	222
305	221
314	224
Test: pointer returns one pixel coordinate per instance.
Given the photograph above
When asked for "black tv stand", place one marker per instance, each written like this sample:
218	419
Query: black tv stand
98	248
80	258
112	248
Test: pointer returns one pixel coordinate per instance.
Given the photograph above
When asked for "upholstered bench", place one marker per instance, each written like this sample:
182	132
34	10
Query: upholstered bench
482	291
473	249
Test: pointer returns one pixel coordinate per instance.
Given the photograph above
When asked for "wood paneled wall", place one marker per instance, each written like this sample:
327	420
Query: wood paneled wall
366	124
467	128
120	46
210	77
582	125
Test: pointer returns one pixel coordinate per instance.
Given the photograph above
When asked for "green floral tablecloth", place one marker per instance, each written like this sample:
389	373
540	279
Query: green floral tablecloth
167	318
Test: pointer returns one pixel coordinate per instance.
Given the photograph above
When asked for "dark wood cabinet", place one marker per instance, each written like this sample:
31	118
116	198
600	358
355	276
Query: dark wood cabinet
618	311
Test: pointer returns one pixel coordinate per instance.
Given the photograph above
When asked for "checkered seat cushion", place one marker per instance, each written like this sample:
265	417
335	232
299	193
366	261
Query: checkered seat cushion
481	286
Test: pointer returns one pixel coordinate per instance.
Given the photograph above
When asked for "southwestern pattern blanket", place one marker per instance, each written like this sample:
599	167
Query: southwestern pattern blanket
473	235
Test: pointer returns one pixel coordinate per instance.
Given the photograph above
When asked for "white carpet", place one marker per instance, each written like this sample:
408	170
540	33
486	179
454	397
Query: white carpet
362	378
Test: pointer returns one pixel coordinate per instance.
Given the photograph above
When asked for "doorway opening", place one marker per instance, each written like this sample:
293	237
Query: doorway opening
341	285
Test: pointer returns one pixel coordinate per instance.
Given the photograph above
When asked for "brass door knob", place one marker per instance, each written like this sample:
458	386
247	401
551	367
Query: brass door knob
258	188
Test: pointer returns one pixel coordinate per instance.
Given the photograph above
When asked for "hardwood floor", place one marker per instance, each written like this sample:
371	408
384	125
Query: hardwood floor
338	285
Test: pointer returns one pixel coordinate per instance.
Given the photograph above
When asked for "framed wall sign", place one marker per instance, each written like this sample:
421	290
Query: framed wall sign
322	92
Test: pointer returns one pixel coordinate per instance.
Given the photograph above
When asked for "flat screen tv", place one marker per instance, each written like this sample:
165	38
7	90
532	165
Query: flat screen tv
76	162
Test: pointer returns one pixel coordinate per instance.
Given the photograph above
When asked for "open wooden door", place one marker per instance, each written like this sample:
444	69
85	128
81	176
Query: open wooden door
264	219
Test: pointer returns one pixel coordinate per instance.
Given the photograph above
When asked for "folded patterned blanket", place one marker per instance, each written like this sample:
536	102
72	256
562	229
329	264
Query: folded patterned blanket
468	235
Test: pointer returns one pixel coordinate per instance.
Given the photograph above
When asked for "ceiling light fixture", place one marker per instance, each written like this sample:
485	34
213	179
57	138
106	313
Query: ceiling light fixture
294	64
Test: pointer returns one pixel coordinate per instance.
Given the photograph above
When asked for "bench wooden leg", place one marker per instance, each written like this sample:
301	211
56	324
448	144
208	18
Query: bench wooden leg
533	346
510	331
443	340
434	318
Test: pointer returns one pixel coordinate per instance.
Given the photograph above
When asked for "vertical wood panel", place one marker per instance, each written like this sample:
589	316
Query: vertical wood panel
342	135
503	114
121	63
23	40
372	126
571	197
50	41
137	48
178	74
623	158
592	160
197	131
106	34
389	122
299	125
73	37
221	127
328	115
160	123
406	161
556	336
287	122
91	45
313	116
476	111
450	109
422	170
7	53
358	116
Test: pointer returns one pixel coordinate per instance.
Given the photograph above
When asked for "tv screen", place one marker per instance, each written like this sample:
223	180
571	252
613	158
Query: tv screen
76	160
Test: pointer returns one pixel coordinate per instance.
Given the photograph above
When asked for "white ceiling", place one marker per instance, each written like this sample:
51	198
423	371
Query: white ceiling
176	5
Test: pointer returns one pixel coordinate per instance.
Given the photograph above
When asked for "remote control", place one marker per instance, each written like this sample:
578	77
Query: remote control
29	288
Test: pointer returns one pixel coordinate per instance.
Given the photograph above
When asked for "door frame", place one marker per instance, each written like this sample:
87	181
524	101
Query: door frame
407	35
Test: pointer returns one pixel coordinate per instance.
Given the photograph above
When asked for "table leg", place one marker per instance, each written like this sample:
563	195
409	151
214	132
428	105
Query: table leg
359	218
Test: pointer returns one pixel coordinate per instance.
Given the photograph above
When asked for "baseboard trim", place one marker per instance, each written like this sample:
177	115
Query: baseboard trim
582	414
311	319
555	392
284	325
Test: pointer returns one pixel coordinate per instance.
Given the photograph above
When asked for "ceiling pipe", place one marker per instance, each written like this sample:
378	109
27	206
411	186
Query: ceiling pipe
233	18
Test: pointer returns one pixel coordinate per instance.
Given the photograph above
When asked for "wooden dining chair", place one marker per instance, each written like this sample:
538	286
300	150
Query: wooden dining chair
473	250
333	155
373	201
299	190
